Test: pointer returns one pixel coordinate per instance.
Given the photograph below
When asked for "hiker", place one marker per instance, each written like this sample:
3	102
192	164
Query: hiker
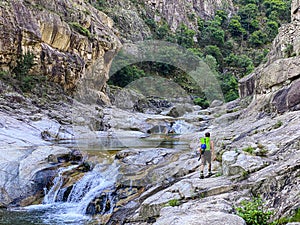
207	154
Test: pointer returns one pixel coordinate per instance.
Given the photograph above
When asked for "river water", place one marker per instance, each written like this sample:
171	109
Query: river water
55	211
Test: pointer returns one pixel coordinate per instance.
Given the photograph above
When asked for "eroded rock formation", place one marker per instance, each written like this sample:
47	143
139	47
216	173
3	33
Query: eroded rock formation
70	39
276	84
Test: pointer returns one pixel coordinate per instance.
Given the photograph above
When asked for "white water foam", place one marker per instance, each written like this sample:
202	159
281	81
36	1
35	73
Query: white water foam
55	211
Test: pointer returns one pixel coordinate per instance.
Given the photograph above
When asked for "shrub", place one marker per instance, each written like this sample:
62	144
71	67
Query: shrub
82	30
277	124
254	212
249	149
24	65
202	102
289	51
173	202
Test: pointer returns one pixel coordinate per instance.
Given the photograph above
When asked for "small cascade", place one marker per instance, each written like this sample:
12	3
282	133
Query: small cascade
92	185
182	127
52	195
95	189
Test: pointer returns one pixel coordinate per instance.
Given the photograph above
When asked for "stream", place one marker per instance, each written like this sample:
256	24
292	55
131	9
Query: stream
56	210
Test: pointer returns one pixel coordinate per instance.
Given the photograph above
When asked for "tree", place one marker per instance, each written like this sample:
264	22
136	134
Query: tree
229	86
185	36
126	75
162	31
235	27
212	32
24	65
258	38
245	2
278	6
214	51
271	30
223	15
241	64
248	13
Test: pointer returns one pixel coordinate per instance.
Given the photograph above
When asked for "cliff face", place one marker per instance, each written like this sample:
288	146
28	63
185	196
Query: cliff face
73	42
176	12
131	16
69	38
295	10
276	84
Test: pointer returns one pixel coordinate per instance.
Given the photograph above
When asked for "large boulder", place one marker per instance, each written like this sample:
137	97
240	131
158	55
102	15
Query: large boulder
196	216
235	163
26	171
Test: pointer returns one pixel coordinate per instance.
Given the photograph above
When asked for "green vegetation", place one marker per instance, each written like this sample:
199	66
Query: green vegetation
202	102
254	212
21	77
249	149
21	72
231	46
277	124
173	202
245	174
24	63
82	30
285	220
126	75
262	151
289	51
219	174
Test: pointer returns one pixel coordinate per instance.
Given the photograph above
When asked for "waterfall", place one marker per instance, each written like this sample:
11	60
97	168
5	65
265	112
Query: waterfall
93	184
182	127
53	193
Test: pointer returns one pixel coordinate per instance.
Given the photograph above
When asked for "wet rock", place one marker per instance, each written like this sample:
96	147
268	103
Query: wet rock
102	204
180	109
57	133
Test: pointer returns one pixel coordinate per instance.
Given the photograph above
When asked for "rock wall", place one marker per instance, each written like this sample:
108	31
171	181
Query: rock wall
131	16
176	12
275	85
295	10
69	38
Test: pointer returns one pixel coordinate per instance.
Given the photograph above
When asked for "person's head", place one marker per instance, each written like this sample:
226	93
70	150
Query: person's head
207	134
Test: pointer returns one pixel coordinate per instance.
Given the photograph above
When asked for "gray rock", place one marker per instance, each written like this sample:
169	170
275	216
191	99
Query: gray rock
180	109
183	190
198	218
216	103
229	159
18	170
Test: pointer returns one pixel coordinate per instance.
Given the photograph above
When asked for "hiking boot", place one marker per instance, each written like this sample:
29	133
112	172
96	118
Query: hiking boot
209	174
201	176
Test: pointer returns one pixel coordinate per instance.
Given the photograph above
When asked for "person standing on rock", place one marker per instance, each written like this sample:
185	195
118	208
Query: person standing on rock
207	153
